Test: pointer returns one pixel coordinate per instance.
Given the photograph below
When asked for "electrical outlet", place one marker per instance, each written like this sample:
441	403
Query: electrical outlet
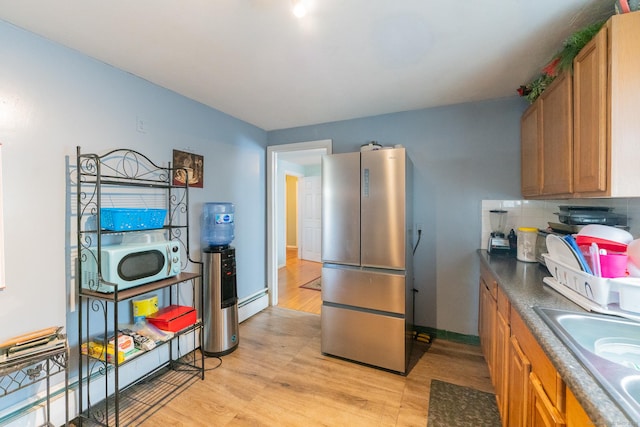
140	125
419	227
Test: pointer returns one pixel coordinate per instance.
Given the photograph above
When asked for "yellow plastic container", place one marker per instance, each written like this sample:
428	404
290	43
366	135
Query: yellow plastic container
144	307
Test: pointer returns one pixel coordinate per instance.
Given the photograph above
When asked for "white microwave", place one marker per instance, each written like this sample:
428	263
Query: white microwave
129	265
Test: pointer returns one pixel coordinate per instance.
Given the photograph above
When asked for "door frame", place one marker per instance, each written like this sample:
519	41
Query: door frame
273	210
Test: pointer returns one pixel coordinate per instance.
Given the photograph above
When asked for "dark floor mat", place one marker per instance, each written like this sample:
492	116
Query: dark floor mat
453	405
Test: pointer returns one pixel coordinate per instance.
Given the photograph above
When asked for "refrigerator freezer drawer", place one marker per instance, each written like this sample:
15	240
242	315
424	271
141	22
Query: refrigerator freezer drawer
364	288
364	337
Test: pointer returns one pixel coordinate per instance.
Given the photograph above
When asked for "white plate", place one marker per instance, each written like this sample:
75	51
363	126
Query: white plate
560	250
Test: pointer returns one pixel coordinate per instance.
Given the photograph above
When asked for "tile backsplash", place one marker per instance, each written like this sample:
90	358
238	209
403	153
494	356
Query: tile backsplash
537	213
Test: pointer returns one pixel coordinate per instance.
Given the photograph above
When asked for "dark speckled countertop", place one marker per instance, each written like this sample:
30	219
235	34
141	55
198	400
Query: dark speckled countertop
522	283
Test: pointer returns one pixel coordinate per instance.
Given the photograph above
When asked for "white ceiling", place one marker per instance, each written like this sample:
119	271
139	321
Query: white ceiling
253	60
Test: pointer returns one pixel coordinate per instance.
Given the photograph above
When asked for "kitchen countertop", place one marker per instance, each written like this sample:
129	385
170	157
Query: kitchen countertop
522	283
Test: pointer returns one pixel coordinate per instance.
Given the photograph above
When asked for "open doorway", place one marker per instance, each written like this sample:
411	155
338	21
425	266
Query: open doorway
290	262
299	278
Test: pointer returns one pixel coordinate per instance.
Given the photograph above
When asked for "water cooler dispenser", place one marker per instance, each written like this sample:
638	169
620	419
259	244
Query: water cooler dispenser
220	297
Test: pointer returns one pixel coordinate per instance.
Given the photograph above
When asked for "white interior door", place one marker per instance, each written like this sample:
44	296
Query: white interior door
310	215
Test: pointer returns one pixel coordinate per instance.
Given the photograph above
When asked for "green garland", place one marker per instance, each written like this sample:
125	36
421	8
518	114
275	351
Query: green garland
536	87
574	44
562	61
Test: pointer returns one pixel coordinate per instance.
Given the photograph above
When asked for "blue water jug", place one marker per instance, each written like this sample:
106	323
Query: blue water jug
217	226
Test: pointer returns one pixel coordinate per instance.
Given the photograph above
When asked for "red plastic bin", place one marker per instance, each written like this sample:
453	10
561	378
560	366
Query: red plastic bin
173	318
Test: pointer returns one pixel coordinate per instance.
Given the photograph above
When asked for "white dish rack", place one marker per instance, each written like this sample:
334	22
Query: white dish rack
619	296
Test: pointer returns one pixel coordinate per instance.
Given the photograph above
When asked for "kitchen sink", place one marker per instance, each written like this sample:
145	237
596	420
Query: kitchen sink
607	346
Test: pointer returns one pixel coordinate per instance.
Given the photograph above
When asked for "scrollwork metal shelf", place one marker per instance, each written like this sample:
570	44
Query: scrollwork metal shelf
121	174
23	372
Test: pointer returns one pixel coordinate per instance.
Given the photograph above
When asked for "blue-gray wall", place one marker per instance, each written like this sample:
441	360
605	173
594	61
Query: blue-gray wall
53	99
462	154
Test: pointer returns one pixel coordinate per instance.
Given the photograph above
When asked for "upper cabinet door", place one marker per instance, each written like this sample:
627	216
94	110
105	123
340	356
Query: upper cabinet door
383	200
546	142
590	116
531	171
557	136
341	208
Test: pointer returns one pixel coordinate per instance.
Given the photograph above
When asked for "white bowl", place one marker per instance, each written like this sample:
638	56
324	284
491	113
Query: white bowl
632	269
633	251
606	232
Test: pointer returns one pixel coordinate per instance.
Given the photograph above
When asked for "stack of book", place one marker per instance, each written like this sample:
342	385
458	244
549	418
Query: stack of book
30	344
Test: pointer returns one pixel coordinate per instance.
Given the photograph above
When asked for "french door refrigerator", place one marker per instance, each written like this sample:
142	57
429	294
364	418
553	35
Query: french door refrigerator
367	281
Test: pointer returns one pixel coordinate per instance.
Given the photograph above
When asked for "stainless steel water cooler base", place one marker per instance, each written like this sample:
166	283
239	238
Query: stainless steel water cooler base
226	339
220	302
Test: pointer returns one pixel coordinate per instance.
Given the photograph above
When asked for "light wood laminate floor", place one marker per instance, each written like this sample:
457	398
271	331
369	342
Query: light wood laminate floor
278	377
297	272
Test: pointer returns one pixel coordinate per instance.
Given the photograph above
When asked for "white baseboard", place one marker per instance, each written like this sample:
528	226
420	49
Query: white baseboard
254	306
36	415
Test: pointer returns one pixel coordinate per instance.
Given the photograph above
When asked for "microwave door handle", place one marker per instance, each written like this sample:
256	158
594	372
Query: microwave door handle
169	259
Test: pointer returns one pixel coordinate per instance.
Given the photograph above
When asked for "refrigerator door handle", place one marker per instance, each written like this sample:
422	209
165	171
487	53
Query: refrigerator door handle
365	182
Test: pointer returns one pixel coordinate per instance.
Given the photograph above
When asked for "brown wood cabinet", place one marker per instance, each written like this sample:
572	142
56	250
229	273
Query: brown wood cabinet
518	386
547	141
546	394
494	332
530	150
501	360
557	136
487	318
542	411
529	390
590	119
588	126
575	414
606	124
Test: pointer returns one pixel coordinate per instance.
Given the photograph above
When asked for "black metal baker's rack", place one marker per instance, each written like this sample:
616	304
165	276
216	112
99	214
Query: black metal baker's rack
128	174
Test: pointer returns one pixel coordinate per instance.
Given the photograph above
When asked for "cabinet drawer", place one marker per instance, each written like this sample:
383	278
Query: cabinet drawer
540	363
504	306
489	281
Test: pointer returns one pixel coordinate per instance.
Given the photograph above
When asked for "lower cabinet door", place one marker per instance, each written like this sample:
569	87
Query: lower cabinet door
501	366
543	413
519	370
575	414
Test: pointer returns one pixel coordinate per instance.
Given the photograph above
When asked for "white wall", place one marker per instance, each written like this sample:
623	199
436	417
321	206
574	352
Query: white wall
53	99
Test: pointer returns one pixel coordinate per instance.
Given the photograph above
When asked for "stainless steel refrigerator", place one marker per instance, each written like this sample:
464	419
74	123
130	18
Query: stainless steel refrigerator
367	281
